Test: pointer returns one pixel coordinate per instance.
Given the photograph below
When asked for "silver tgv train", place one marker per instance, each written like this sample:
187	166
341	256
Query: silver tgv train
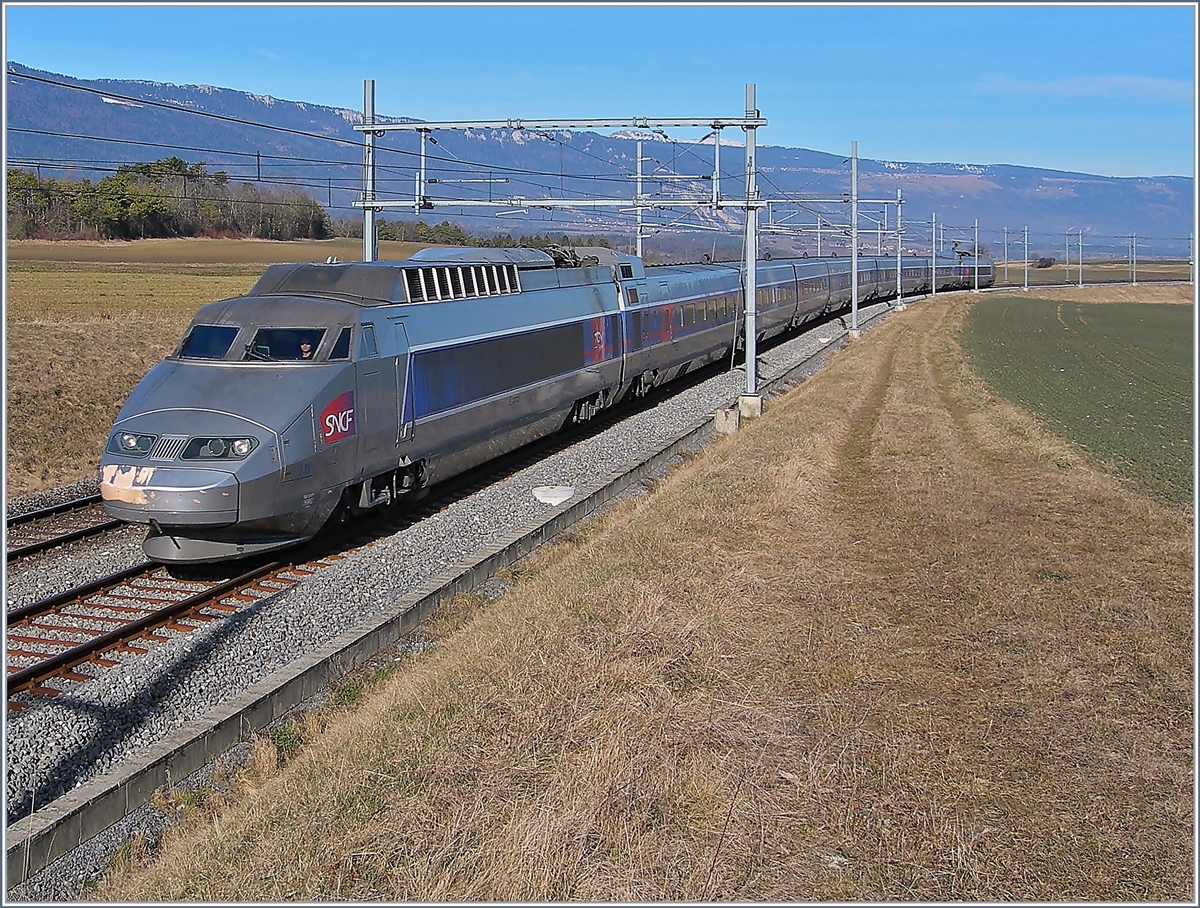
342	387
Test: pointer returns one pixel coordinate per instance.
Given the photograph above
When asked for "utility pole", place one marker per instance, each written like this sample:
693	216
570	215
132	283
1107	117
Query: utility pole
1006	255
716	180
368	171
1067	279
639	198
1135	245
933	256
977	255
1080	256
899	261
854	239
751	259
419	198
1026	256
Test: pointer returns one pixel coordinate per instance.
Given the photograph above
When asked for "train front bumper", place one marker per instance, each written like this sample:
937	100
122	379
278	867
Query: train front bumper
173	496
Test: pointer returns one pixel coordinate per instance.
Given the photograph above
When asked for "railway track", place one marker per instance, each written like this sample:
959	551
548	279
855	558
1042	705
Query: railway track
50	641
47	528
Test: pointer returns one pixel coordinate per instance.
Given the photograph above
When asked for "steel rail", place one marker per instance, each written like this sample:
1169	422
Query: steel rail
77	593
52	510
74	536
24	678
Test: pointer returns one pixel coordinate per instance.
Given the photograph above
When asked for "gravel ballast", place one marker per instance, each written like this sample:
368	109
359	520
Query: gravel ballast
90	728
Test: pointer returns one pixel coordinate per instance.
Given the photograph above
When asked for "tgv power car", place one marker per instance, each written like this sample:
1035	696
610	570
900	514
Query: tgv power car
343	387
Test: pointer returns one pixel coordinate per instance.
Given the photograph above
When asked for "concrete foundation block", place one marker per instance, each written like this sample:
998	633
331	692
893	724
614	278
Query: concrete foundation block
750	406
726	421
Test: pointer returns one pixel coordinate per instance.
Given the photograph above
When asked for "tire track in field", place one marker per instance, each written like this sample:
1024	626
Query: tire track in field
855	451
1116	363
939	363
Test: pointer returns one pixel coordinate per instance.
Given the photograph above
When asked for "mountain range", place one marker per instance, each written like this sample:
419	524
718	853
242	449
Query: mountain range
63	126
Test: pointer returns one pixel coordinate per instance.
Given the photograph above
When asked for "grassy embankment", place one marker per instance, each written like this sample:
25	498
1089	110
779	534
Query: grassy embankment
893	641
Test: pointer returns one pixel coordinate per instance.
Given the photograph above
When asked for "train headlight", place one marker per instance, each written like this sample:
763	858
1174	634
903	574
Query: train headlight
131	444
218	448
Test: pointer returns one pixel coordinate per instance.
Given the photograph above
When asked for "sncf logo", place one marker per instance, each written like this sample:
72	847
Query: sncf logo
337	419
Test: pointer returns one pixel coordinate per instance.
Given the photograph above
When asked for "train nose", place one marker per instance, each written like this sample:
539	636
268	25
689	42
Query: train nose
169	495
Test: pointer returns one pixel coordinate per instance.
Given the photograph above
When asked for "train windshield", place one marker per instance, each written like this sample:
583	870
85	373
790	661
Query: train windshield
275	344
208	341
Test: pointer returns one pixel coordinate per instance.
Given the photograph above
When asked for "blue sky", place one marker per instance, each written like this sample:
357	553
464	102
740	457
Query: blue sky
1097	89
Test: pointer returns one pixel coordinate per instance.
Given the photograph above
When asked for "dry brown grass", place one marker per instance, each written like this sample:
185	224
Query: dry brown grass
888	643
1182	294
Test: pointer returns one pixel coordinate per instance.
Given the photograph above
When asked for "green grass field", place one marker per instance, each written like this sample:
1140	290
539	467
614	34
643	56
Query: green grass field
1095	271
1116	378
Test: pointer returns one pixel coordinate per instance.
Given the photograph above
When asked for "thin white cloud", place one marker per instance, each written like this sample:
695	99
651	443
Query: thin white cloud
1094	87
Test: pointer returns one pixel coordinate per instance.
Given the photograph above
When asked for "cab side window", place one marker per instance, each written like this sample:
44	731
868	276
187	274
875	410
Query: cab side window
366	344
341	348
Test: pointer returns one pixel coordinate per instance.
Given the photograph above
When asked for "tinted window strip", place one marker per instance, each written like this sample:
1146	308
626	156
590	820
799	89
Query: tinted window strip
451	377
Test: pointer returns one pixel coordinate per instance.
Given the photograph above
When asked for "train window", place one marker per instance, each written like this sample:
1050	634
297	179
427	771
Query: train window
366	344
469	275
633	296
626	272
456	283
208	341
275	344
341	349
